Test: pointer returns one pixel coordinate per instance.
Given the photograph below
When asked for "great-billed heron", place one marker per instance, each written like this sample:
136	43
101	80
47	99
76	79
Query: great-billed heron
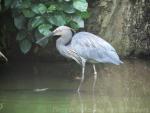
84	47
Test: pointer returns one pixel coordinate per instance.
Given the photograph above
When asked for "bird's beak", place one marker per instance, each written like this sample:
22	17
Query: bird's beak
50	34
56	32
73	30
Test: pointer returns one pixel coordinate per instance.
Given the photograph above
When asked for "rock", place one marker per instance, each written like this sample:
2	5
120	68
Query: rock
123	23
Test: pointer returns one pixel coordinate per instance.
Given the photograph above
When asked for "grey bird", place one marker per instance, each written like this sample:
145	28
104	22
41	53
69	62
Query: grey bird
2	55
84	47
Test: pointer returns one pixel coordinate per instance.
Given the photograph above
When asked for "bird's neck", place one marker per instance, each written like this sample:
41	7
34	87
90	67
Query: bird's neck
65	38
62	42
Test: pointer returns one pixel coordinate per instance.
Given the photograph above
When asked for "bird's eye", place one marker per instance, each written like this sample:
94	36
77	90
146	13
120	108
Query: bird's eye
59	30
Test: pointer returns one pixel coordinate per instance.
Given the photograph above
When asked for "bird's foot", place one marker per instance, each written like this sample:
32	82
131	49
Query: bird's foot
78	90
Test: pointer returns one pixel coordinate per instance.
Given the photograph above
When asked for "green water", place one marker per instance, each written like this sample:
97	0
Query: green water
119	89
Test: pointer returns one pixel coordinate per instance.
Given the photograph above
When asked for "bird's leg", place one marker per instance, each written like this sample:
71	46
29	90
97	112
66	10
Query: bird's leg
93	90
82	78
95	76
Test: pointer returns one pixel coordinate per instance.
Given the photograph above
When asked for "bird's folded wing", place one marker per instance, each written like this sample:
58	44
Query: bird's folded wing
85	39
74	55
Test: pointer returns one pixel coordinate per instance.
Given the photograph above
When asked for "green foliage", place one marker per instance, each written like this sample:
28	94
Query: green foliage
35	18
25	45
39	8
80	5
19	22
57	20
44	28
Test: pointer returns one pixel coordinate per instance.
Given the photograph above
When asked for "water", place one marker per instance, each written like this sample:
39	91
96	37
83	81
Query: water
51	88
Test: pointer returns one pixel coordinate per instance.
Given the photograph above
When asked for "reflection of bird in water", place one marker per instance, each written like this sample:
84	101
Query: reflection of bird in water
82	108
2	55
93	98
84	47
81	102
1	106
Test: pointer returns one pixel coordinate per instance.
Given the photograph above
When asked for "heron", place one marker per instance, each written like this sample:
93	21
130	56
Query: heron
2	55
83	47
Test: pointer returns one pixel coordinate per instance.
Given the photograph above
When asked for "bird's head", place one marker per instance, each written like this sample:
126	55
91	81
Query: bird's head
59	31
62	30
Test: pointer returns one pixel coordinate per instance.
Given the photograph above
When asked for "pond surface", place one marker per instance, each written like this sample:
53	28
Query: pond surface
45	87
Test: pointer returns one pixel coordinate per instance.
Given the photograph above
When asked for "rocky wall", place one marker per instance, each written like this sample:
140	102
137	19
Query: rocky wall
123	23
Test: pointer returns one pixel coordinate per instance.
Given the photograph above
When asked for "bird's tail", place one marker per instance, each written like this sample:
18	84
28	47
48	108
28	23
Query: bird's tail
118	62
121	62
114	58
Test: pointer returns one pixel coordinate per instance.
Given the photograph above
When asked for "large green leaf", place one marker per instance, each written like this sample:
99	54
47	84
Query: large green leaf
8	3
37	21
39	9
19	22
67	0
57	20
29	25
68	8
51	8
25	3
28	13
80	5
15	4
74	25
84	15
79	21
21	35
25	45
44	29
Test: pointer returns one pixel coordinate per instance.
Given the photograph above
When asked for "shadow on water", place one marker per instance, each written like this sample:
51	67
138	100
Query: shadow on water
51	88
